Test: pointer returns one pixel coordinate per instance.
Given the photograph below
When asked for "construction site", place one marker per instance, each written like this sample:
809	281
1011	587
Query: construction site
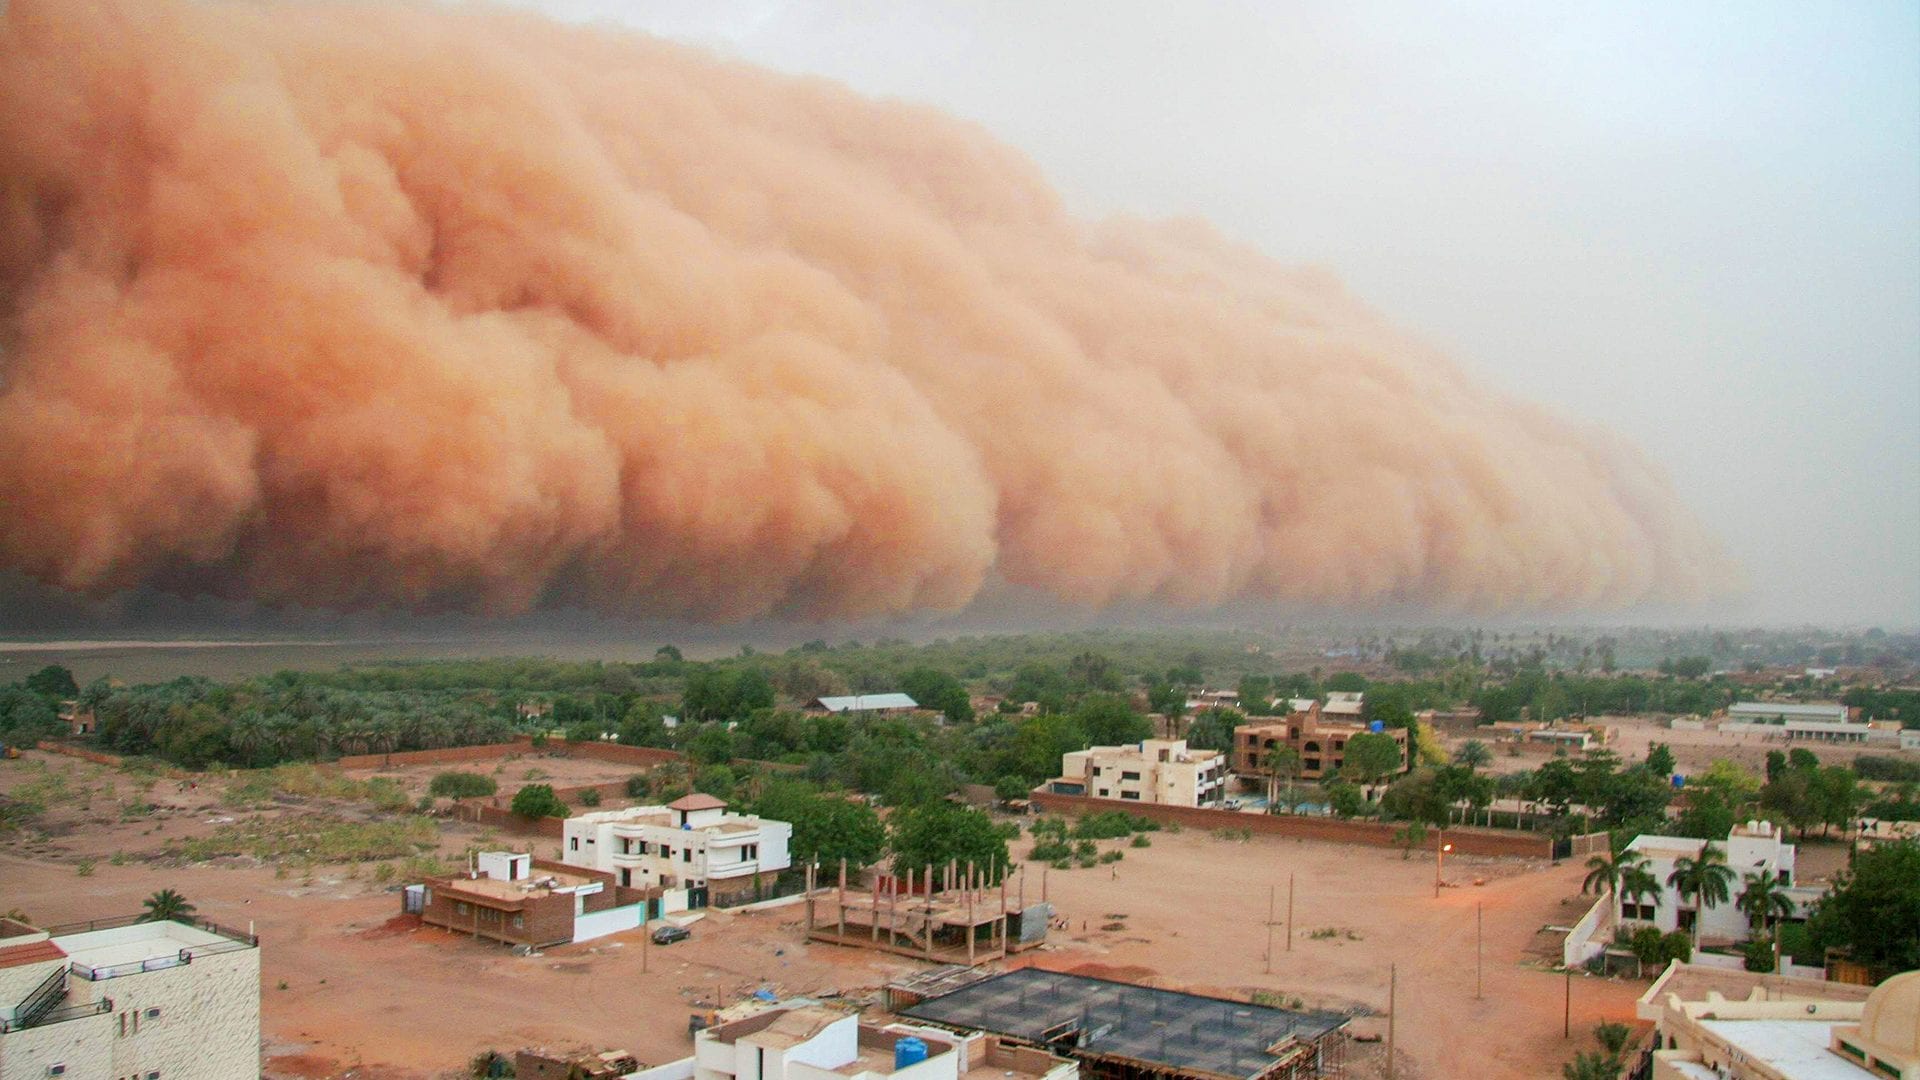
951	915
1123	1031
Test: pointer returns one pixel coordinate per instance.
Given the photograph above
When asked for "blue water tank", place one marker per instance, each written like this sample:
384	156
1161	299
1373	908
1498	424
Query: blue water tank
1679	781
1377	726
909	1051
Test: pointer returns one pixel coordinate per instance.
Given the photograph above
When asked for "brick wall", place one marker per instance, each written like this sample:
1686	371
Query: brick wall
95	756
1467	841
451	755
501	818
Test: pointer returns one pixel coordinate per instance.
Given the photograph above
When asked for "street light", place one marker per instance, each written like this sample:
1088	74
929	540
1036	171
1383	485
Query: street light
1439	862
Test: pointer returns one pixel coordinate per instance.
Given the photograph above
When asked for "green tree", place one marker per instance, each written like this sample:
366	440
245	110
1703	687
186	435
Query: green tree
1345	800
1638	884
52	681
1605	872
1109	720
1660	760
1874	909
461	785
933	834
167	906
1474	754
1705	881
939	691
1213	729
538	801
1371	756
1764	900
826	827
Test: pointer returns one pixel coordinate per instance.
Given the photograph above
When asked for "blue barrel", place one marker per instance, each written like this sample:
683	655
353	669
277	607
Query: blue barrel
1679	781
1377	726
909	1051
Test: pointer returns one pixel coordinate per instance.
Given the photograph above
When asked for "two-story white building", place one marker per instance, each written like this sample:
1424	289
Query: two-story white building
1756	847
123	998
1153	771
692	843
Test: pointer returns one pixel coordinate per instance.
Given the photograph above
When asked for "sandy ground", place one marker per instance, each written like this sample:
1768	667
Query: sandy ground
1693	751
511	773
350	987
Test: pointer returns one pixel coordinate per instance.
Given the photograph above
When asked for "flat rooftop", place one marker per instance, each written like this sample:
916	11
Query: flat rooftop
139	943
542	883
1179	1031
1797	1048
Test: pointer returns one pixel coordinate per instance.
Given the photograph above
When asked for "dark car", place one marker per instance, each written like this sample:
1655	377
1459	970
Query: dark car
667	935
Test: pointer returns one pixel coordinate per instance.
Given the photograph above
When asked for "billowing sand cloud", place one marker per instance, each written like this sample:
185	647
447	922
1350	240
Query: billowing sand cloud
356	305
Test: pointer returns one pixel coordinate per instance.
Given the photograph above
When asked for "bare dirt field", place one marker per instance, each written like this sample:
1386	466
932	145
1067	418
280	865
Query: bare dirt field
1693	751
350	986
511	772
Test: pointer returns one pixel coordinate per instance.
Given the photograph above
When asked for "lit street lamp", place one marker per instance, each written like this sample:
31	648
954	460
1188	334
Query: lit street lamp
1439	862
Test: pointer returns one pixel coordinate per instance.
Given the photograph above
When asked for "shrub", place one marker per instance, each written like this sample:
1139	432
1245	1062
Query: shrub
1086	849
1111	825
1113	855
1050	851
637	786
590	797
462	785
1758	954
538	801
1141	840
85	868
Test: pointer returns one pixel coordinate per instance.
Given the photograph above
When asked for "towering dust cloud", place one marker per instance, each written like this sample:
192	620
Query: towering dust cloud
365	305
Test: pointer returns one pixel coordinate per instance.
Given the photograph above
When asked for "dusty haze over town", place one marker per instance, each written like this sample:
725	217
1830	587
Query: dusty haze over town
447	308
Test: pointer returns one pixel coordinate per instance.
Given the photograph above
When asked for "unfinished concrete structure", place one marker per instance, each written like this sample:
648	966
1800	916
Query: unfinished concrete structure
1120	1031
953	914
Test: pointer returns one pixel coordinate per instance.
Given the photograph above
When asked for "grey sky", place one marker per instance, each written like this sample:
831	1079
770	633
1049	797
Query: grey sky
1697	224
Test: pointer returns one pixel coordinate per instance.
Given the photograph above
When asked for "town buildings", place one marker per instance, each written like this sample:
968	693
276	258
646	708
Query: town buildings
520	900
692	844
1816	722
125	998
1756	847
806	1040
1319	743
1151	771
1712	1024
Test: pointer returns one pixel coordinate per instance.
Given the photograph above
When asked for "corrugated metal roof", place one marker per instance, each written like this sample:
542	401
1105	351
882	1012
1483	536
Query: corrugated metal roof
865	702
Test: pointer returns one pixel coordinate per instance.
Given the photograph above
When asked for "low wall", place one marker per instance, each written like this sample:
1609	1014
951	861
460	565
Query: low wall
1465	840
1738	963
1591	935
614	920
450	755
495	817
81	752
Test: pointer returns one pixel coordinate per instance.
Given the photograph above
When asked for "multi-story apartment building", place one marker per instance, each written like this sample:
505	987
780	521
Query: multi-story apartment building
1320	743
124	998
692	843
1155	771
1714	1024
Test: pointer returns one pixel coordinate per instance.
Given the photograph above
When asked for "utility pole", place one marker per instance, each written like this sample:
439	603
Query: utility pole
1270	889
1567	1022
1479	913
1289	912
1393	979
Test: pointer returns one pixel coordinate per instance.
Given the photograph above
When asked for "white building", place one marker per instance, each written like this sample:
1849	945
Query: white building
122	998
864	703
1153	771
1757	847
805	1040
1817	722
692	843
1711	1024
1345	705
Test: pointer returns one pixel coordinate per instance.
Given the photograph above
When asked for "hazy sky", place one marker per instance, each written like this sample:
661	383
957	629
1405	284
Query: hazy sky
1698	224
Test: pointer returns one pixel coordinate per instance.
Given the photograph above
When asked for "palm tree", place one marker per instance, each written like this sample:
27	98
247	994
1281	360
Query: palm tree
167	906
1473	754
1764	900
1605	871
1704	882
1637	883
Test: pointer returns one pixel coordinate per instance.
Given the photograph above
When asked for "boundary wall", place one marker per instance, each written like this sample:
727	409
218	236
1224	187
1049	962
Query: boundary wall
1466	840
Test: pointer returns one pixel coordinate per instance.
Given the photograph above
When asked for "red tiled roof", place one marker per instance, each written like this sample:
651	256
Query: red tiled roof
697	801
33	952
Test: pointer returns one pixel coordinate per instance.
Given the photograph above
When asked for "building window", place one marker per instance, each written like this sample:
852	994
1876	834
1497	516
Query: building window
153	1014
1129	775
750	851
666	852
1103	793
1130	795
686	854
459	909
519	922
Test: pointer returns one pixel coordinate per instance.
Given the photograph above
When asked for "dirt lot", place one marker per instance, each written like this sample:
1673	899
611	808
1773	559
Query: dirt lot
347	986
512	773
1693	751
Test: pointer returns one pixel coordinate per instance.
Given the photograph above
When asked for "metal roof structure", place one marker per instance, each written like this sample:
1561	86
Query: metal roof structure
866	702
1141	1025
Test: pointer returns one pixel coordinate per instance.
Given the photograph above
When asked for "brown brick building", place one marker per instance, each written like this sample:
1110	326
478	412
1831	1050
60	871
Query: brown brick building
1321	743
518	899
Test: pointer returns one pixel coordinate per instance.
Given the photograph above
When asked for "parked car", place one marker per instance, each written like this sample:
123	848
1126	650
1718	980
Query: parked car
667	935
